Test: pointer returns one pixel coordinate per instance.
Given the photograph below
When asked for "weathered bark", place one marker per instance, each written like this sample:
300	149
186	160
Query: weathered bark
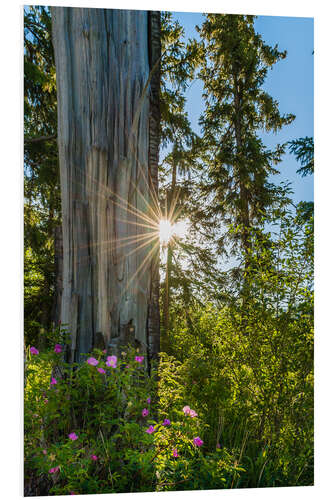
154	30
166	309
58	268
108	153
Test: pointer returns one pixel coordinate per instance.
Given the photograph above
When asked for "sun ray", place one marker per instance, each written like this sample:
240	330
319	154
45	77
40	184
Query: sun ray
152	238
144	262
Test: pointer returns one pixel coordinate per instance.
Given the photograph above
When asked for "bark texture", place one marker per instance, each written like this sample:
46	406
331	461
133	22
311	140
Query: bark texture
108	136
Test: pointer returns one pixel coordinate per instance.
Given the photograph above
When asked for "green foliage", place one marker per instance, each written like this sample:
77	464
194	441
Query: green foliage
112	452
303	149
41	181
249	364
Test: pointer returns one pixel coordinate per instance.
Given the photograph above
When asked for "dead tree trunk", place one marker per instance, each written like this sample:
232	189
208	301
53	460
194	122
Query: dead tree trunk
108	134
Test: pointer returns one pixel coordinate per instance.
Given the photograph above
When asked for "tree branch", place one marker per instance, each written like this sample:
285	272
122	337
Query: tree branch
33	140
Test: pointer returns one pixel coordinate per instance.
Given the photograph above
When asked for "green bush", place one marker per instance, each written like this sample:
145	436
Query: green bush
86	432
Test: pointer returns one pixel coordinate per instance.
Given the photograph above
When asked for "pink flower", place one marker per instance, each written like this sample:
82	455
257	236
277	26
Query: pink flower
139	359
92	361
33	350
104	351
112	361
150	429
186	410
166	422
53	381
73	493
197	441
73	436
145	412
57	348
44	452
101	370
54	470
175	453
218	446
193	413
148	400
46	401
94	457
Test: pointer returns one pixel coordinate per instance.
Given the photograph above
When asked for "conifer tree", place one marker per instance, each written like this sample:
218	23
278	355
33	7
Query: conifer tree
234	67
42	216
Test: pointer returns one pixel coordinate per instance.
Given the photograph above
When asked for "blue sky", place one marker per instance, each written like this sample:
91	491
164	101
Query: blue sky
290	82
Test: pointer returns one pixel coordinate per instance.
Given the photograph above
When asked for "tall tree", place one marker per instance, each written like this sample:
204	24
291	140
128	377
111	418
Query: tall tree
179	164
107	65
41	183
234	68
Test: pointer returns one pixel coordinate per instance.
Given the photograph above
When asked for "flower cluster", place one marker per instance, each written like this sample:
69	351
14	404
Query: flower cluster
197	441
54	470
150	429
111	361
92	361
187	411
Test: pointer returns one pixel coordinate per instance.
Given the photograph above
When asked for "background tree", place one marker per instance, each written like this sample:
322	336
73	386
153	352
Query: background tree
42	215
180	171
234	68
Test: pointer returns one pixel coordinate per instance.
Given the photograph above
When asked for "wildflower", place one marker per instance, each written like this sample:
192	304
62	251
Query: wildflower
53	381
123	354
175	453
54	470
186	410
104	351
193	413
101	370
112	361
145	412
197	441
150	429
73	436
218	446
139	359
33	350
57	348
166	422
44	452
92	361
148	400
46	401
94	457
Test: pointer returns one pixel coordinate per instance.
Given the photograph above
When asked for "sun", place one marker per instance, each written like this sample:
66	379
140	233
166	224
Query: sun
169	230
166	230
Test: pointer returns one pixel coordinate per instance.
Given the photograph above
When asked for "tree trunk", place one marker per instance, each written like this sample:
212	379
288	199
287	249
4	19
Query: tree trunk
108	135
171	200
58	265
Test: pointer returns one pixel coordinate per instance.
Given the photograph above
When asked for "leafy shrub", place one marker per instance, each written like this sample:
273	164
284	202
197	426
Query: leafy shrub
107	429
